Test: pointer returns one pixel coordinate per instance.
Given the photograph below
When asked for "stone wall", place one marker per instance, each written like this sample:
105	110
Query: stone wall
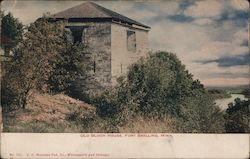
109	55
97	37
121	57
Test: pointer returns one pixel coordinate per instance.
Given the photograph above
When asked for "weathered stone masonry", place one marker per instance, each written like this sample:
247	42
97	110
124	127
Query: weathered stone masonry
115	41
97	36
121	56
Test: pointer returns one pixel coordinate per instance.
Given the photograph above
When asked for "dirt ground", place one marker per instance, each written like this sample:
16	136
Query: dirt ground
44	107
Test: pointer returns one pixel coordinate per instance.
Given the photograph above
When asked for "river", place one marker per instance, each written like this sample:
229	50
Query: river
223	103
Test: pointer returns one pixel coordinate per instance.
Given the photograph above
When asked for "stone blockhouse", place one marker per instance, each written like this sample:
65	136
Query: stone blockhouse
116	41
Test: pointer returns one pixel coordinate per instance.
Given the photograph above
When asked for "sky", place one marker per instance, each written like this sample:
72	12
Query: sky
209	36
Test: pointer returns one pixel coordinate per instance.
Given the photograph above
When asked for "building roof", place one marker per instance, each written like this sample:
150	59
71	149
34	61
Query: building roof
89	10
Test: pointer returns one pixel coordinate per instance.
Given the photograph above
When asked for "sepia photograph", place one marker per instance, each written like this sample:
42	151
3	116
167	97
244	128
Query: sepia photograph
132	66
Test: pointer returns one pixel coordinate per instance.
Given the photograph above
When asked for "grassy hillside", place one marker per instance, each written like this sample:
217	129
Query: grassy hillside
46	113
63	114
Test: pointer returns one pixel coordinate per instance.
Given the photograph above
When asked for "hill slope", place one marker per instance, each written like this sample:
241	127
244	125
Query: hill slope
46	113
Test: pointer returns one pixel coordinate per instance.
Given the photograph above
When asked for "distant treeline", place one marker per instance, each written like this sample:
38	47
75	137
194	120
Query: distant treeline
219	93
225	92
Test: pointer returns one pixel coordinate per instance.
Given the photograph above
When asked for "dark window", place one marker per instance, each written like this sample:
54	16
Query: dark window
77	33
131	40
77	36
94	66
121	68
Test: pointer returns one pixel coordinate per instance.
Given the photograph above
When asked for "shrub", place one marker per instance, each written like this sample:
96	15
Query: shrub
153	87
150	125
157	87
246	92
159	83
69	69
237	117
199	114
89	122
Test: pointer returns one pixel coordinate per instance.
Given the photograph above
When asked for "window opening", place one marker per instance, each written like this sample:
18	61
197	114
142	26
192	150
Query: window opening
77	33
131	41
94	66
121	68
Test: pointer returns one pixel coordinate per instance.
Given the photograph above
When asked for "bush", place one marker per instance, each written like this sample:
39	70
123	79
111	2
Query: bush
69	69
200	115
89	122
158	87
159	83
246	92
150	125
153	87
237	117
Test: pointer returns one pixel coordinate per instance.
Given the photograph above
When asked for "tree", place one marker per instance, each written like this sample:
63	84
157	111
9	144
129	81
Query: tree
158	87
160	83
237	117
33	62
153	87
246	92
11	31
69	70
199	114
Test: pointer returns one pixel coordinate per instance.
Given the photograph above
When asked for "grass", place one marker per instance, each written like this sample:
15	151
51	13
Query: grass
45	114
39	117
92	124
11	124
149	125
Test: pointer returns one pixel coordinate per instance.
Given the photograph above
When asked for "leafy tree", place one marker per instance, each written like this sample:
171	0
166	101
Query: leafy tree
159	83
246	92
11	31
32	63
153	87
199	114
157	87
69	70
237	117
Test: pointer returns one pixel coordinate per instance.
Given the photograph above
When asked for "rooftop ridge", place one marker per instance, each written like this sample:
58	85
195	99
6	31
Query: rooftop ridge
110	13
92	10
97	7
71	10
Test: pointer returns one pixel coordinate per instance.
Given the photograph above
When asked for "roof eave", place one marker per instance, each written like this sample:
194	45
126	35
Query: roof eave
100	19
135	26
